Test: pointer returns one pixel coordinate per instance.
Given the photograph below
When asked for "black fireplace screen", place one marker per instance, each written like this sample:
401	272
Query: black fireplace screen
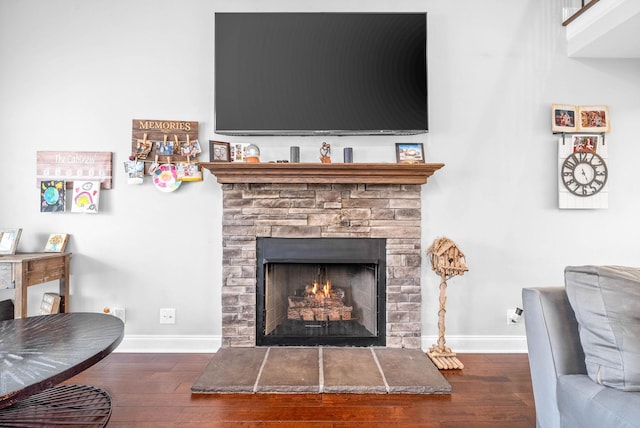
323	291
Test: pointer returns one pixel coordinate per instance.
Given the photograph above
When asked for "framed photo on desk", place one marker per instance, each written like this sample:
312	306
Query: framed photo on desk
56	243
9	240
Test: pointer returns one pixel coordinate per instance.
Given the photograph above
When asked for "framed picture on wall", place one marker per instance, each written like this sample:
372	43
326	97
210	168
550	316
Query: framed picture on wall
563	118
9	240
219	151
568	118
594	119
409	153
586	142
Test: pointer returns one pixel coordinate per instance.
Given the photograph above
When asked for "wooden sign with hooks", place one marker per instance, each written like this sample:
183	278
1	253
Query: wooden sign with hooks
165	141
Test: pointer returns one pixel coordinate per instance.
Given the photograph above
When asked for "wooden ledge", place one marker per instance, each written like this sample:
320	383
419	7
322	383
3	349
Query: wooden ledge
359	173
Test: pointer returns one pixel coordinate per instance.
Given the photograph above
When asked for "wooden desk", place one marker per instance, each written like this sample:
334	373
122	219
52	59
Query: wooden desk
27	269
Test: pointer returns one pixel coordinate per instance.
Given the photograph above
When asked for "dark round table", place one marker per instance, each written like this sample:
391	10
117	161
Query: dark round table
37	353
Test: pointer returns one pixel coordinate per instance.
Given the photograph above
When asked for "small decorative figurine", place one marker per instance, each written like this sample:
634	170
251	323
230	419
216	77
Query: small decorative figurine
325	153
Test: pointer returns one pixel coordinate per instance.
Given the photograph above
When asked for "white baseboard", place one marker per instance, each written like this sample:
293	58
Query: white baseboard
480	344
210	344
170	344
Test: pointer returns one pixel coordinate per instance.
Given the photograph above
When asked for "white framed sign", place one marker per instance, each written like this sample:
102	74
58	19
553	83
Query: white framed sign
74	166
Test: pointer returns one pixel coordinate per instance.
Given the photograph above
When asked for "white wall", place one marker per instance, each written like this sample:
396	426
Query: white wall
74	73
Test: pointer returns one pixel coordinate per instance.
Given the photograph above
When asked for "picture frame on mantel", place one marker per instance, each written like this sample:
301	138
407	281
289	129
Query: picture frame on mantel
219	151
409	153
9	239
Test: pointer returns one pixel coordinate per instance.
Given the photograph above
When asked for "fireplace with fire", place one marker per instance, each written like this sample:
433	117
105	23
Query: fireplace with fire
321	291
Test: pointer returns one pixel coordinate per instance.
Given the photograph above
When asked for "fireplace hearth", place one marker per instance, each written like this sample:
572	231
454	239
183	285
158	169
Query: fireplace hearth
322	291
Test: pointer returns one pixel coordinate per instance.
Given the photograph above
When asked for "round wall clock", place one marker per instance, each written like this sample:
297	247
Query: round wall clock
584	173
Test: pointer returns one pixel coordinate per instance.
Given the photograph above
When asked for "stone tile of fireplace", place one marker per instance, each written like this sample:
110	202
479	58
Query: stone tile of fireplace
321	370
234	370
406	372
290	370
349	370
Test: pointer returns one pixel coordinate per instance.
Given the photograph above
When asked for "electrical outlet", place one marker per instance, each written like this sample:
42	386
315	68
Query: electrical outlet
116	312
167	315
514	316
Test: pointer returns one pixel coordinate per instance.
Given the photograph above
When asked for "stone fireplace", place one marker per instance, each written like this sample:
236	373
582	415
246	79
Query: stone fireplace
313	201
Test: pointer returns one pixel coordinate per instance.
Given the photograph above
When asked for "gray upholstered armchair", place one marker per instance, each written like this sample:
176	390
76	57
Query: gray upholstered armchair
565	396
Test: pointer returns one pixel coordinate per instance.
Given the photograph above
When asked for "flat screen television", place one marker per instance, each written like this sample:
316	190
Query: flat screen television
320	73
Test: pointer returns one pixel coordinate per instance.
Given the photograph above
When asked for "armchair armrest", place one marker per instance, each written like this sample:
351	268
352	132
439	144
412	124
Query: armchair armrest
554	347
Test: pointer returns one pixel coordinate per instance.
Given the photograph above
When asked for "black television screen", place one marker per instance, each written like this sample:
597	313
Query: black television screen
320	73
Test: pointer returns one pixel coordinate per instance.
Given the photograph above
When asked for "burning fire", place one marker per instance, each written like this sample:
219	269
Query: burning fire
321	293
320	303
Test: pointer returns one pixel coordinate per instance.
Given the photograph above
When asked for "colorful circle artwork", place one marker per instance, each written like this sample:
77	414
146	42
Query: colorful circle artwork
165	178
51	195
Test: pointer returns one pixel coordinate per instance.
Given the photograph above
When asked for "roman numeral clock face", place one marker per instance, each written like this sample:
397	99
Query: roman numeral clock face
584	173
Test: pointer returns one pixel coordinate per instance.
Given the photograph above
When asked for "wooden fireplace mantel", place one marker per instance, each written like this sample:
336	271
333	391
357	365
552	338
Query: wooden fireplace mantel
361	173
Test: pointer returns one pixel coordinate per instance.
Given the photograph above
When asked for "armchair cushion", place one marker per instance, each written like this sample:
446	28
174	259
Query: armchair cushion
606	302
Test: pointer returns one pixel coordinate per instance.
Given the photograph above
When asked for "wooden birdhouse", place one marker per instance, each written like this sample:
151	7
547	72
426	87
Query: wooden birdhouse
447	261
446	258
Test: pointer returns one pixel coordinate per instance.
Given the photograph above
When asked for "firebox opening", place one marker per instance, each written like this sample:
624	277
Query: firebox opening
324	291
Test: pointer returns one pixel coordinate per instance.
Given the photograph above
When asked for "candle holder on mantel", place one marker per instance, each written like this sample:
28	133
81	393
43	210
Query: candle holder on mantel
252	154
447	261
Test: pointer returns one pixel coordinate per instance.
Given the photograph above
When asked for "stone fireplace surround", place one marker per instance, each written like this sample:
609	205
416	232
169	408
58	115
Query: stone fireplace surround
318	201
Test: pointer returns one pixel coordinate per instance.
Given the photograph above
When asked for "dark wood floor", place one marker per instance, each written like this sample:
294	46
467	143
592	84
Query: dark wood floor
153	390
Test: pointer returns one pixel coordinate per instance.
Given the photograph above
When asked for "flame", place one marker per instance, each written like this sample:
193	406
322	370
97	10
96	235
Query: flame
327	289
319	293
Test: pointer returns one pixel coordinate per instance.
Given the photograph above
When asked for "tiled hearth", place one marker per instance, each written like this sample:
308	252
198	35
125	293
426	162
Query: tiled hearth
357	201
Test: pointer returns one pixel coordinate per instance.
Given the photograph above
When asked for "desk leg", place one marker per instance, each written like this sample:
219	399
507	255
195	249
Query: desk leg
20	281
64	286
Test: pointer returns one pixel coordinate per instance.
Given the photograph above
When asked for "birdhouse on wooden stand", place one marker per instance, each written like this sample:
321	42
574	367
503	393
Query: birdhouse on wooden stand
447	261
